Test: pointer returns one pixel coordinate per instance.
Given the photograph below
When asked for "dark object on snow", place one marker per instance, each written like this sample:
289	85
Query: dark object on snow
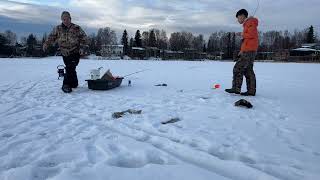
243	102
161	85
66	88
101	84
247	94
173	120
129	83
232	91
117	115
60	71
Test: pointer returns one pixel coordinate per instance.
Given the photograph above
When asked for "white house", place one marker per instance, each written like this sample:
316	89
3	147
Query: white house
112	50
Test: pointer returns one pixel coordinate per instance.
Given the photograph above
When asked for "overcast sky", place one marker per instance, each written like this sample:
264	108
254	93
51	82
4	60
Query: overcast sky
197	16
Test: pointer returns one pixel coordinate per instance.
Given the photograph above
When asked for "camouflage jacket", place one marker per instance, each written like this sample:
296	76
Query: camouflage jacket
70	40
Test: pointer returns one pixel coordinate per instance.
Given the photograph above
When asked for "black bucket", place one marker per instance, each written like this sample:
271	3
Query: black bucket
101	84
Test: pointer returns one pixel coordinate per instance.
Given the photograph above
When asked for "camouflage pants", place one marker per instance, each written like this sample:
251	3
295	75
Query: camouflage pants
244	67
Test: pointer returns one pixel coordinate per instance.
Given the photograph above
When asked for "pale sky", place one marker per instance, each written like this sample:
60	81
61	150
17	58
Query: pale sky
202	16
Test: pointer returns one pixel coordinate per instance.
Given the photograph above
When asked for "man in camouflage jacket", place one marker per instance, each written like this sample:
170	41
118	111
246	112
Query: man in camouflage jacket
71	40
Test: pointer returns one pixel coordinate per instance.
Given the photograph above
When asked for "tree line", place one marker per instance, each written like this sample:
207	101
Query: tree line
221	41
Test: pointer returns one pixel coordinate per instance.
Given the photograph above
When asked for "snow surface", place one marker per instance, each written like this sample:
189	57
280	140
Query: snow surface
306	49
46	134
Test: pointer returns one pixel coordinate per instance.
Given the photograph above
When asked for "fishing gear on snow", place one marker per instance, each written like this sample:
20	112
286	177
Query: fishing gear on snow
61	71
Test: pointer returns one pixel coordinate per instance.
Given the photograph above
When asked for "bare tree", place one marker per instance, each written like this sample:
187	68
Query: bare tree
163	40
11	37
198	42
106	36
181	40
145	38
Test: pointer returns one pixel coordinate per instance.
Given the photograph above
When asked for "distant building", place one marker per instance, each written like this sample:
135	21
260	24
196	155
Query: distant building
193	54
311	45
85	50
307	52
217	55
152	52
138	53
167	54
111	50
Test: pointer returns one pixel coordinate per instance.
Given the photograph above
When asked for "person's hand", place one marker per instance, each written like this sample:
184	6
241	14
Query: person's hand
238	57
81	52
44	47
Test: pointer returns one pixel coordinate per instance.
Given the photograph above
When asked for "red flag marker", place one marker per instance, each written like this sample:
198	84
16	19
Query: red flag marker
216	86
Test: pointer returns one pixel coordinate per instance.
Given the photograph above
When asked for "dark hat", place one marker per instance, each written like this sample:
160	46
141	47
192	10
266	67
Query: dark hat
65	13
242	12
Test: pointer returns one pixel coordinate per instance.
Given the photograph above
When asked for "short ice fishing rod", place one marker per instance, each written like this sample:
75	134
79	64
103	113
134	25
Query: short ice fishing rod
136	73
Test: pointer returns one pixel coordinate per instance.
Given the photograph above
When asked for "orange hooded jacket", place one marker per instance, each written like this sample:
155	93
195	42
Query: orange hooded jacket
250	35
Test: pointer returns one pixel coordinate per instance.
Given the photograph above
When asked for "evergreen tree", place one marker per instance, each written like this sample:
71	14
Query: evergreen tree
152	39
3	40
31	43
137	38
310	35
204	48
131	44
124	42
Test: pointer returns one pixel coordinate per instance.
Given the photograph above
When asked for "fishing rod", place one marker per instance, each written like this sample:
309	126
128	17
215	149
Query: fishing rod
258	6
136	72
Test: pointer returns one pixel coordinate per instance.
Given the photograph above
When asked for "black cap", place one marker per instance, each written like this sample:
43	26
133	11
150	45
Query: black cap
242	12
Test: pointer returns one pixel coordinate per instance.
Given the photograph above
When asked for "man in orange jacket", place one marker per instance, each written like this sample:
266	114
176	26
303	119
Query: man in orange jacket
247	54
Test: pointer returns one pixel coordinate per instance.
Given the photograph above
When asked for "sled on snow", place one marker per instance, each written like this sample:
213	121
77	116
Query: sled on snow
102	84
106	82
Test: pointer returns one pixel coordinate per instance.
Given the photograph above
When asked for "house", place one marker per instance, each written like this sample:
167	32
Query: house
216	55
312	46
111	50
85	50
194	54
307	52
152	52
167	54
282	55
138	53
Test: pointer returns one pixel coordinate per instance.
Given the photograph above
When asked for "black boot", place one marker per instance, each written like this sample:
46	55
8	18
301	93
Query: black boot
247	94
232	91
74	85
66	88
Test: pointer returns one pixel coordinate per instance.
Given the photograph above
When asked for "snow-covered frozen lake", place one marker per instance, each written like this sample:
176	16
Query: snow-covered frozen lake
47	134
